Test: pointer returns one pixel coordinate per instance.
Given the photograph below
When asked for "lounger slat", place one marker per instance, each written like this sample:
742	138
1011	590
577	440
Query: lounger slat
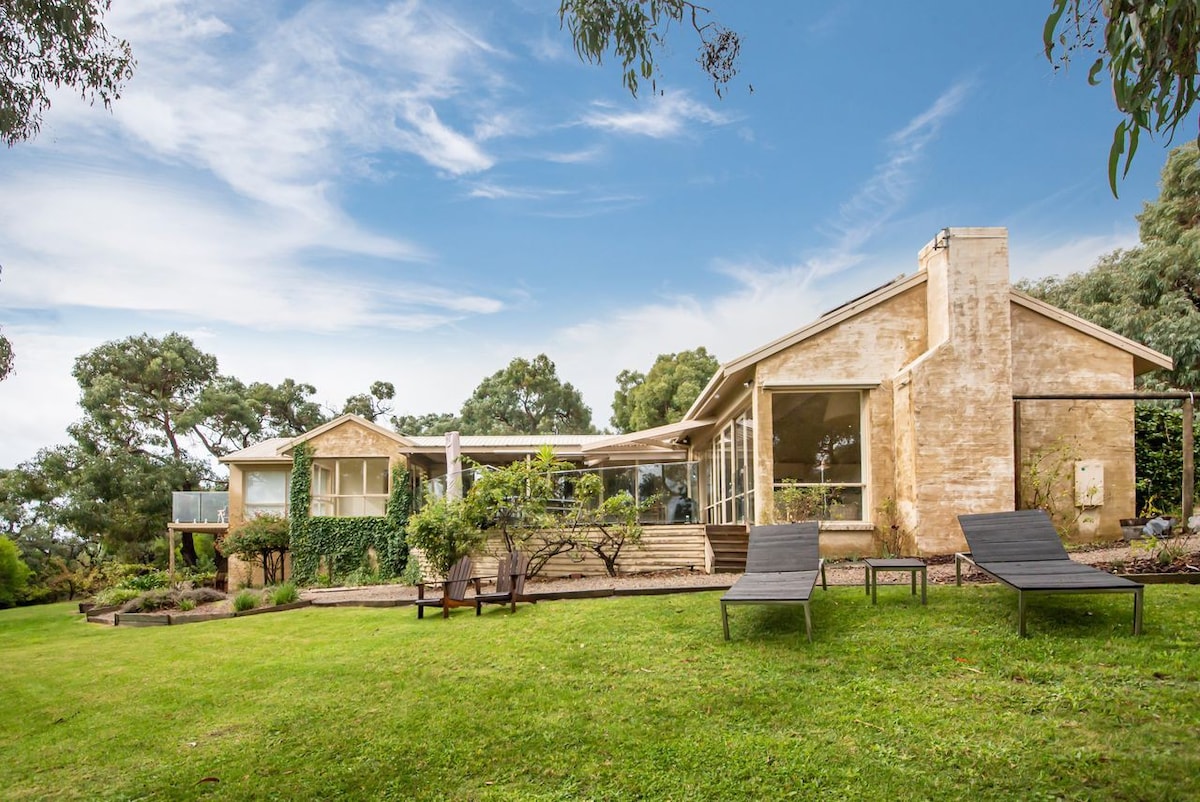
1021	535
783	547
785	586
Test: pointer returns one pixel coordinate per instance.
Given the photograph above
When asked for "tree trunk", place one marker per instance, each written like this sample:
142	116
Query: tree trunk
187	548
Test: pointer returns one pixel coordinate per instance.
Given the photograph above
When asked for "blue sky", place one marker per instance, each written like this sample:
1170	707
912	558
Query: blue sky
420	191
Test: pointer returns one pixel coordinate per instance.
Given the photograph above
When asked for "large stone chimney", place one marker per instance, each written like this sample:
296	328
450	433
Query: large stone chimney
953	405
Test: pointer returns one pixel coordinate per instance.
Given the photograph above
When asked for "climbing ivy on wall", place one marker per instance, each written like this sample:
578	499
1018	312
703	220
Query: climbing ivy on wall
344	544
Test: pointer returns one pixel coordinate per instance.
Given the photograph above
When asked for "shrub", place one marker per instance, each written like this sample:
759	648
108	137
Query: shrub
116	595
13	573
151	601
245	600
444	531
284	594
264	538
148	581
202	595
187	605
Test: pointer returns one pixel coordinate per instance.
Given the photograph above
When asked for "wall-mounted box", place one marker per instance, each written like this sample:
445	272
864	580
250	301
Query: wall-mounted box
1089	483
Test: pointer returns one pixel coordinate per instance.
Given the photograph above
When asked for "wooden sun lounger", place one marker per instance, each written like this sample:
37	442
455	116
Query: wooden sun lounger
782	565
1023	551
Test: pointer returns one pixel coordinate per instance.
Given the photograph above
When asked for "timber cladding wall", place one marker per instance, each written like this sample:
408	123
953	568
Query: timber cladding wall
662	548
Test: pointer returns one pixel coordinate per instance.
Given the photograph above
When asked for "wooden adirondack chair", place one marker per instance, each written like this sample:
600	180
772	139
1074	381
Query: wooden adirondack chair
510	583
454	589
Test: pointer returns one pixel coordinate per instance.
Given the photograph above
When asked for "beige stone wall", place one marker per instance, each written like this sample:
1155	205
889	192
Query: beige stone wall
1051	358
870	347
244	574
352	440
956	400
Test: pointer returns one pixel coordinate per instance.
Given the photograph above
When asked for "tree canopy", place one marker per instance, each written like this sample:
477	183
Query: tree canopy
1150	293
634	29
1149	48
49	44
664	395
527	397
432	423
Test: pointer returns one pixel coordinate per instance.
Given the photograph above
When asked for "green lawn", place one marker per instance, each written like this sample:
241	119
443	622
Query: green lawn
634	698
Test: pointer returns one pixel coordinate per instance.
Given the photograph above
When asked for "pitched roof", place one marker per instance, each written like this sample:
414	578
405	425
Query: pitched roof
349	418
1145	358
740	369
266	451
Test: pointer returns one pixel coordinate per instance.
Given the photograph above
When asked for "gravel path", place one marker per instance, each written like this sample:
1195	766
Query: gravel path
841	572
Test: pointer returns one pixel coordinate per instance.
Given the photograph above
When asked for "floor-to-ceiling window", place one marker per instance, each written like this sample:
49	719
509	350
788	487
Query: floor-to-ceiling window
818	466
729	472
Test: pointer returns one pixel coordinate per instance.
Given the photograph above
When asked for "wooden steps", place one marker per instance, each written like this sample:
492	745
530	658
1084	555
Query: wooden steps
728	543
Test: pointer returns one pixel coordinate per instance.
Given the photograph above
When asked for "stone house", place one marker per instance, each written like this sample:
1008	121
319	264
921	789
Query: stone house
908	405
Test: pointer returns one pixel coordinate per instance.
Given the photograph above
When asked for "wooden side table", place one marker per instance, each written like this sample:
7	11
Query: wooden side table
911	564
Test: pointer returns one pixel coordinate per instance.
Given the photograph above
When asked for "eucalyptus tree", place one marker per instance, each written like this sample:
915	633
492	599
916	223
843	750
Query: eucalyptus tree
526	397
664	395
1150	293
50	44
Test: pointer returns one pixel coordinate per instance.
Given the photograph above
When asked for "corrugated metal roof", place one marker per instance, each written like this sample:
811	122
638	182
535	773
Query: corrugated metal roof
531	441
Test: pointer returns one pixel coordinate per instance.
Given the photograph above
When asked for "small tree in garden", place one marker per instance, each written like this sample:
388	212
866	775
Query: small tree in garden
795	502
604	527
517	501
264	538
445	530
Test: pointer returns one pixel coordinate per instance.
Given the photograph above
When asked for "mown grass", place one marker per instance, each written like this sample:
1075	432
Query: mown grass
635	698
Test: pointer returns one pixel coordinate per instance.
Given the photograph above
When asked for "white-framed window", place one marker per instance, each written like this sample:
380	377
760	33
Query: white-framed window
350	487
265	491
817	440
729	472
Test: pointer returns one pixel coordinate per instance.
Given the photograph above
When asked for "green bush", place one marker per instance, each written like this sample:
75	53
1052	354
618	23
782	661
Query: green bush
283	594
444	531
187	605
148	581
151	601
116	595
245	600
13	573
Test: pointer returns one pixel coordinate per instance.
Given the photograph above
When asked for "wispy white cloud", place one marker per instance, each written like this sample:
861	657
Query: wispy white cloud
581	156
1051	256
658	116
494	191
876	202
135	245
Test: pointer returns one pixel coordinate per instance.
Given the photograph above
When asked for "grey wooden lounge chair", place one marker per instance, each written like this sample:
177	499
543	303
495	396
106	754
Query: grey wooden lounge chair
1022	550
454	590
782	564
510	583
